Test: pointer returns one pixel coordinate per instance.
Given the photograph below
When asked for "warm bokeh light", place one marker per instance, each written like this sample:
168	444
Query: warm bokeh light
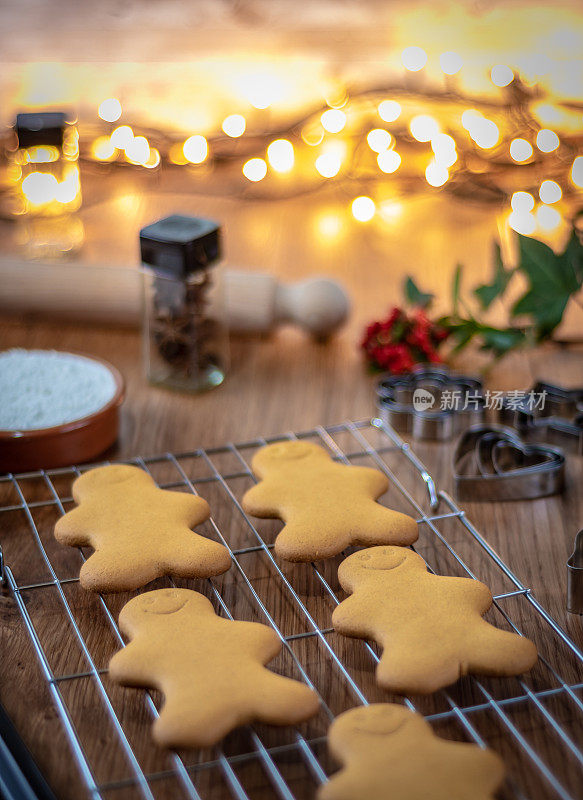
312	134
484	132
389	110
423	127
389	161
547	140
522	222
522	202
379	139
255	169
138	150
450	62
550	192
110	110
68	189
154	159
363	208
234	125
122	136
520	149
444	149
436	174
333	120
414	58
40	188
329	225
577	172
102	149
280	155
469	116
501	75
176	154
547	218
390	210
328	164
195	149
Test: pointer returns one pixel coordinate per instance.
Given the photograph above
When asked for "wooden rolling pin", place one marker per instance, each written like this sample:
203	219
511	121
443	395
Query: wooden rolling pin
254	302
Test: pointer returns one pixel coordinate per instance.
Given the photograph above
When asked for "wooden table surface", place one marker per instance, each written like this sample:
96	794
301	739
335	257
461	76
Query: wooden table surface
288	383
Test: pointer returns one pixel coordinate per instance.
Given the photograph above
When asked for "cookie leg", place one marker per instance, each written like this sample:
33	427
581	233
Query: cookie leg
106	571
195	722
202	559
376	525
406	670
283	701
495	652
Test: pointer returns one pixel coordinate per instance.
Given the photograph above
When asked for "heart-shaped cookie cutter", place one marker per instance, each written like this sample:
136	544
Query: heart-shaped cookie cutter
492	462
559	422
575	577
430	402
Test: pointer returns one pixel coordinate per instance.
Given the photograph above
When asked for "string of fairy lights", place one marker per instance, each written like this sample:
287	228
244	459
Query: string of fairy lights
501	147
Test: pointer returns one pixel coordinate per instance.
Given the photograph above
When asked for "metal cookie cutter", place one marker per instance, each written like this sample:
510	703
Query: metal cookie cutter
559	421
491	462
430	402
575	577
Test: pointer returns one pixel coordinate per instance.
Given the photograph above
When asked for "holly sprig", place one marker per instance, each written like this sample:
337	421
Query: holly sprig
552	279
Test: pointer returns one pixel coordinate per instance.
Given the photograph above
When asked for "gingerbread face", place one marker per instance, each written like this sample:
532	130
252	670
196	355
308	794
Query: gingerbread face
153	606
104	478
363	726
288	453
377	559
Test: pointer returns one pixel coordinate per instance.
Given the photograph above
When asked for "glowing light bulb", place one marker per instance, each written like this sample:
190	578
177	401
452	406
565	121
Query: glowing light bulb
450	62
550	192
522	222
255	169
379	139
333	120
195	149
110	110
138	150
40	188
389	161
389	110
522	202
122	136
363	208
469	116
444	149
547	140
328	164
423	127
577	172
414	58
102	149
520	149
484	132
547	218
234	125
280	155
501	75
154	159
436	174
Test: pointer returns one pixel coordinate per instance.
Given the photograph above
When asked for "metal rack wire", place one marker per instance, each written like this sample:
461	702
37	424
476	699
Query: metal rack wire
296	600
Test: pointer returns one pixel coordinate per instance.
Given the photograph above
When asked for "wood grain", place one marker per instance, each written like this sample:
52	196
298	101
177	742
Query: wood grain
280	384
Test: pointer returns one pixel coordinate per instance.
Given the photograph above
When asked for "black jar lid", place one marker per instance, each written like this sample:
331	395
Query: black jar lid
177	245
40	128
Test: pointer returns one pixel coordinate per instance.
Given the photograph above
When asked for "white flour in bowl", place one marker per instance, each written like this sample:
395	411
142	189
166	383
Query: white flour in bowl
44	388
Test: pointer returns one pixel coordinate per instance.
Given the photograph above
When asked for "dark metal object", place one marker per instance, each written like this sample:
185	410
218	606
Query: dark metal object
42	128
575	577
559	422
491	462
178	246
20	777
430	402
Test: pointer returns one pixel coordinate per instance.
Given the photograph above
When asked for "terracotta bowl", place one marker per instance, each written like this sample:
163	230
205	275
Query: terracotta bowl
71	443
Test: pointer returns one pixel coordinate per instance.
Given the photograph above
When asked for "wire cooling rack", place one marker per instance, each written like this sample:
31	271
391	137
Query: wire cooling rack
533	721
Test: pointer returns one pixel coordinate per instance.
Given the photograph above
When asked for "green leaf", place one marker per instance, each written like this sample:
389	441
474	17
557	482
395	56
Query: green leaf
552	280
414	295
501	340
457	278
488	292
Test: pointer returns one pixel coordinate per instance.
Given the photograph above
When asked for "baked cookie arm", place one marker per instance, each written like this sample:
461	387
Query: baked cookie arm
258	501
72	529
132	666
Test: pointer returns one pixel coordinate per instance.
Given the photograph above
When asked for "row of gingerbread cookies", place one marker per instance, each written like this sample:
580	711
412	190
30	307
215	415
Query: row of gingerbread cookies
179	646
433	623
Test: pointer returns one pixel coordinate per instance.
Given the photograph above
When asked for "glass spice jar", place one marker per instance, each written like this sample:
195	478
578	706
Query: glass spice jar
185	338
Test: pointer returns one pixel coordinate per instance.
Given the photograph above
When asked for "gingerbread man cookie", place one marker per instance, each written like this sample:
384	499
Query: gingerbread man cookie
429	626
210	669
138	532
325	506
388	751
